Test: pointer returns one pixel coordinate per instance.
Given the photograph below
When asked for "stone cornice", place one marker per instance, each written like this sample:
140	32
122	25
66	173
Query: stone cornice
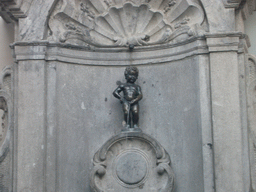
43	50
11	10
105	56
230	41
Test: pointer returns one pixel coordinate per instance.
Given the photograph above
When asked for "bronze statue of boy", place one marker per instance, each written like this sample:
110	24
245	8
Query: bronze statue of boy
131	96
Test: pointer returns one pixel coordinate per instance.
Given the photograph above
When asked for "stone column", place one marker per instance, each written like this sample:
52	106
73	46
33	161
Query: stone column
31	93
226	111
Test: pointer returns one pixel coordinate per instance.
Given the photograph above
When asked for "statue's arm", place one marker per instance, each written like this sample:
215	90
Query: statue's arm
116	93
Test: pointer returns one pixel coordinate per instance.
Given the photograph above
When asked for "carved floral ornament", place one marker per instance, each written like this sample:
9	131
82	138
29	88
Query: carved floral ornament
114	23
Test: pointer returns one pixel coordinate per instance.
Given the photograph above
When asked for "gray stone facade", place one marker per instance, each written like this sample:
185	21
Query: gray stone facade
198	82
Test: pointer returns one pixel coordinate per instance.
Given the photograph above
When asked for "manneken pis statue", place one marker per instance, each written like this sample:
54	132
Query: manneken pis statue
131	96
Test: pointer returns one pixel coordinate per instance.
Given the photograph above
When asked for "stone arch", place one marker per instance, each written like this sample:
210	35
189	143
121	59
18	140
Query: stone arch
220	18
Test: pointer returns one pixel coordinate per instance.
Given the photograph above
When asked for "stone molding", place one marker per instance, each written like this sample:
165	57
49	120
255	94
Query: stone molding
11	10
89	55
155	54
233	41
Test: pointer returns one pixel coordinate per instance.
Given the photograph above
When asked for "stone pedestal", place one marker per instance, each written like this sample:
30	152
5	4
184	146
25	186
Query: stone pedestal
132	161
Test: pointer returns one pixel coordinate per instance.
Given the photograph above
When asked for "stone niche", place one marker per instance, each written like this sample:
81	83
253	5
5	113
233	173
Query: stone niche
88	115
164	39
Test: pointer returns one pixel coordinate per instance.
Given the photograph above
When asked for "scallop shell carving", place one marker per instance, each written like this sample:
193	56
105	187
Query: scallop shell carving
114	23
130	24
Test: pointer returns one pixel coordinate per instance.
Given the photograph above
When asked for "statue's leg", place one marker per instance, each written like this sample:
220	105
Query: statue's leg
126	109
135	115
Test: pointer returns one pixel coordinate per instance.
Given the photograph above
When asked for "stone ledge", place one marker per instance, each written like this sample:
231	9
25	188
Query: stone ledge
44	50
147	55
230	41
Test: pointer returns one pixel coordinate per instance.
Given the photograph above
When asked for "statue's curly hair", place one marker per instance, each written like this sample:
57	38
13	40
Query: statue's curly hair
131	68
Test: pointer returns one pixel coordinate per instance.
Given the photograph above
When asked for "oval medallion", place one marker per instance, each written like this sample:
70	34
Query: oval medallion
131	168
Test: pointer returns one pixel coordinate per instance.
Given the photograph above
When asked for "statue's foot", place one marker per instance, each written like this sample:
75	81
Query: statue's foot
126	128
135	126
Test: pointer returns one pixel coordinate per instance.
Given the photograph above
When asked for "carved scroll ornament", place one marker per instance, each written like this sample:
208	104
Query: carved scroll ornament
6	113
125	22
6	131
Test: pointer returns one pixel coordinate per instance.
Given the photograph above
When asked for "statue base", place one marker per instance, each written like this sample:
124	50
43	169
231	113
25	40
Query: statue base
126	130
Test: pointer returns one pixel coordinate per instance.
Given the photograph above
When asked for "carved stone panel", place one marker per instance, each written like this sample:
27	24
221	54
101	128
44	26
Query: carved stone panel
6	132
251	104
132	161
125	22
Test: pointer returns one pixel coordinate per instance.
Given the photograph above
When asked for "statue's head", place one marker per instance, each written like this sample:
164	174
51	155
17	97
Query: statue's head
131	74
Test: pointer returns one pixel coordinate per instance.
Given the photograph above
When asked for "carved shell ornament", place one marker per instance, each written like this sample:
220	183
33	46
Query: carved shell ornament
113	23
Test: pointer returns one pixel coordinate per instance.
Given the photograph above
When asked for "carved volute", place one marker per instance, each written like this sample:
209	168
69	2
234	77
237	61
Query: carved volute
4	119
5	112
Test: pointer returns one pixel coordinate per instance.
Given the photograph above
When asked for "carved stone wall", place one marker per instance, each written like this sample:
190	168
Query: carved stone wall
69	55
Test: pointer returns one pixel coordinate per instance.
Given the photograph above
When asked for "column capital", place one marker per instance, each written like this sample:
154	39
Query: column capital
229	41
